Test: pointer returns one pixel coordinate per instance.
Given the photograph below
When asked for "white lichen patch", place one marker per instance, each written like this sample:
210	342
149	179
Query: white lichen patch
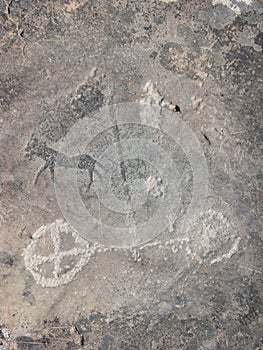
234	5
151	97
151	94
247	36
154	186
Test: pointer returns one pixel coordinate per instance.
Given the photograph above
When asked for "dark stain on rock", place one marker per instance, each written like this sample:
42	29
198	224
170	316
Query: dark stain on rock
29	297
10	90
28	343
245	70
173	57
58	118
6	259
88	99
259	39
187	59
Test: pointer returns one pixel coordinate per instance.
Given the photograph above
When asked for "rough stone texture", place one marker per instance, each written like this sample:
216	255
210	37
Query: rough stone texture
190	291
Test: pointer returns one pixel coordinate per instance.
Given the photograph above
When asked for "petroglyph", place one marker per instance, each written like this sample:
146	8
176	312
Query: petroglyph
50	263
57	252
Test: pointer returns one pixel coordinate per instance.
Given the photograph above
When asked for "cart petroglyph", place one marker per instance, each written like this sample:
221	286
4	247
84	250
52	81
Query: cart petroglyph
211	238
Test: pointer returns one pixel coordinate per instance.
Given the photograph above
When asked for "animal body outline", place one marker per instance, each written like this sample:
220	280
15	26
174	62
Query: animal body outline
53	158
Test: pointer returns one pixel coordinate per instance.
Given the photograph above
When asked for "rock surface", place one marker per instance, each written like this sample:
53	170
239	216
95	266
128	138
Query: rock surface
61	63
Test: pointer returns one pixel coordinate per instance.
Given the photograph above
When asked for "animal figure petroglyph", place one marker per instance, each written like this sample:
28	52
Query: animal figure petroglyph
52	158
